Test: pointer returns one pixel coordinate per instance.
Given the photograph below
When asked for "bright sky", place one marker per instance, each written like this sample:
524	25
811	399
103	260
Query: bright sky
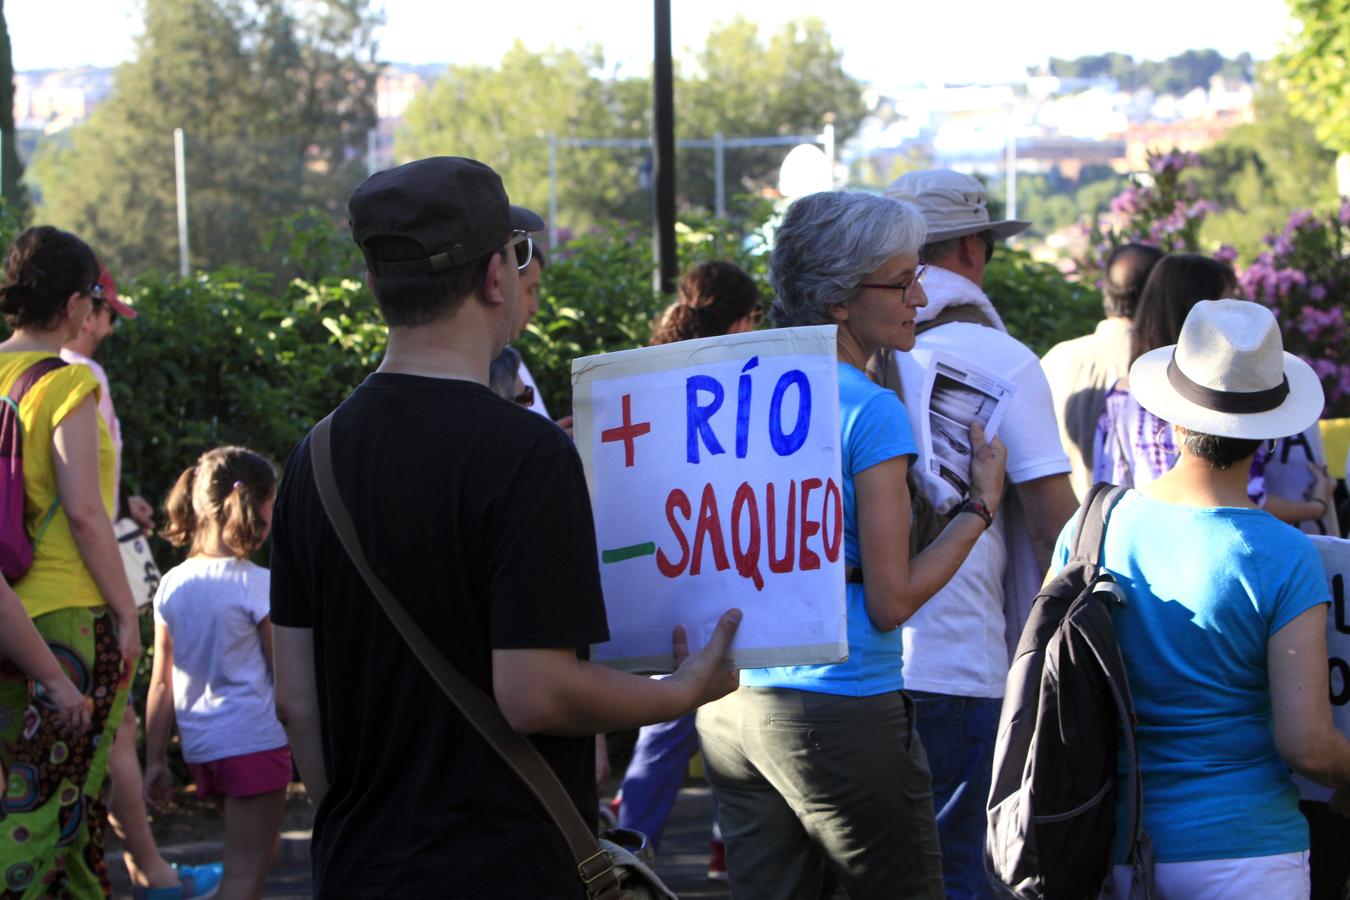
908	43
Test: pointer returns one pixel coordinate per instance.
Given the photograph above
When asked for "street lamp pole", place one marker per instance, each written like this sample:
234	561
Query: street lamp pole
663	153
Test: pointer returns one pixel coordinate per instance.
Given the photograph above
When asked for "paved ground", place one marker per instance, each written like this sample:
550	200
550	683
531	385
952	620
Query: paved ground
683	863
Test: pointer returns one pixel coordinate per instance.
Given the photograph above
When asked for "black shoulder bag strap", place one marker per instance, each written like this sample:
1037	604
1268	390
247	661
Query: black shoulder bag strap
594	865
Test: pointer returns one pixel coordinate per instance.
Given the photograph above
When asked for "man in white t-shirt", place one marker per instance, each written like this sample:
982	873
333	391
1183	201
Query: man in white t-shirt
956	646
1082	370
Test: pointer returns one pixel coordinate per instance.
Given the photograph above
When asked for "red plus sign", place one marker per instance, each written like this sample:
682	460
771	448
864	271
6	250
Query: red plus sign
626	432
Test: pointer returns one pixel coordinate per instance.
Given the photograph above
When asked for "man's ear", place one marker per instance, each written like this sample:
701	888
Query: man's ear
970	247
492	280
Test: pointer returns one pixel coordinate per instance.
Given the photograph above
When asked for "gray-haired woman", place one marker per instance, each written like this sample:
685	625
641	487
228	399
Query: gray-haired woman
818	774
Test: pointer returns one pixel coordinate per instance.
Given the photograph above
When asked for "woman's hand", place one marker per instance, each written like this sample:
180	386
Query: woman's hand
1323	487
986	468
72	707
158	784
706	674
129	645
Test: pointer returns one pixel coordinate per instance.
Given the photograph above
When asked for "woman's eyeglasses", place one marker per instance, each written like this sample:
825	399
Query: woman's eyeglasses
905	288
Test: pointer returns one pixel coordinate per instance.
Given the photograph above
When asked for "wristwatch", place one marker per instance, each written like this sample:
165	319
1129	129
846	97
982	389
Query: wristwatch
977	507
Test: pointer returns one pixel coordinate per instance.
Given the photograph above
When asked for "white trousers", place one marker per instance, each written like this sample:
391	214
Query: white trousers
1280	877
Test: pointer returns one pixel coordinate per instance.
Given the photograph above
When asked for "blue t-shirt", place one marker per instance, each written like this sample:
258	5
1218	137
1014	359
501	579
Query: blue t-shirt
875	428
1206	589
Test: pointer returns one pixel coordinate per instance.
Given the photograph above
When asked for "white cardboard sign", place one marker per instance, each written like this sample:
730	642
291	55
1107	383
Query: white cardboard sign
714	474
1336	558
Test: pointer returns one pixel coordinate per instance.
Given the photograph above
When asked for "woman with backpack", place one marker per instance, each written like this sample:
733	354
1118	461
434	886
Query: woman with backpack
66	568
1223	628
819	774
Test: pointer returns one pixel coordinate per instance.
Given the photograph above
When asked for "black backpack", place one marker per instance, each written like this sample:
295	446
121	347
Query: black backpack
1052	801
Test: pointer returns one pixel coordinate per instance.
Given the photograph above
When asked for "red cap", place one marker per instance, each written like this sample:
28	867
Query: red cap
105	281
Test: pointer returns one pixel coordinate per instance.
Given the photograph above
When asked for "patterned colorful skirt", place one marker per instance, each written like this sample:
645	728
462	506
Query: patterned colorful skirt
54	810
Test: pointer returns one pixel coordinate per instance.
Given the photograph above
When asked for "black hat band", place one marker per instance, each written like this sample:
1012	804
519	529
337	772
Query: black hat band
1226	401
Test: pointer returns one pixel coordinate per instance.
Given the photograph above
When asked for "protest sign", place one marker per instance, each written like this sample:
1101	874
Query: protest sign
714	475
1287	475
1336	558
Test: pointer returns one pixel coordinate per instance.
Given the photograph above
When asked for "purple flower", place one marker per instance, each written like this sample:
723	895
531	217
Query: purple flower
1226	253
1317	292
1345	211
1324	367
1126	202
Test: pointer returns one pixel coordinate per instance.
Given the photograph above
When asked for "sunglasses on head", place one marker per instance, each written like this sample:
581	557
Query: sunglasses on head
526	396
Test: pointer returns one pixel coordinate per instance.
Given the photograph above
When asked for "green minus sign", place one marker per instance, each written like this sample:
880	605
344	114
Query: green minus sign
619	554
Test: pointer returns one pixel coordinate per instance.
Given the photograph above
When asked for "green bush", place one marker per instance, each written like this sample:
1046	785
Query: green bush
222	358
1040	306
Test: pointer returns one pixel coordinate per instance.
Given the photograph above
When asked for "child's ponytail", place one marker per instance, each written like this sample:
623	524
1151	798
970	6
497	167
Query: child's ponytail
228	486
182	517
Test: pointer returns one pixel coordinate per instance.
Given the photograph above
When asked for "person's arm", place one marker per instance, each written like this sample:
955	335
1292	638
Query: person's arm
894	586
22	645
75	453
1296	657
1287	509
1047	504
1317	499
141	512
297	697
265	635
159	717
550	691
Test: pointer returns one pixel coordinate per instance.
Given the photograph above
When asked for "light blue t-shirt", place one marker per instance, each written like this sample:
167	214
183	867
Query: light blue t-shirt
1206	590
875	428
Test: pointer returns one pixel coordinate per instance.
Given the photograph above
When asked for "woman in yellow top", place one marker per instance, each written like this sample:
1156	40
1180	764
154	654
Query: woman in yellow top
76	591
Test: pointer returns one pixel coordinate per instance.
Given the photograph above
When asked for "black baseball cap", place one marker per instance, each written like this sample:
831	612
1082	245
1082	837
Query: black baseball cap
454	208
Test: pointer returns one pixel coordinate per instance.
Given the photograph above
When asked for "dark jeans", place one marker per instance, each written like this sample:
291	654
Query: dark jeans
815	789
958	733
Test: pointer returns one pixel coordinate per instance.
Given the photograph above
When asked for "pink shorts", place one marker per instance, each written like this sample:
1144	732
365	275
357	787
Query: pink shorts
243	776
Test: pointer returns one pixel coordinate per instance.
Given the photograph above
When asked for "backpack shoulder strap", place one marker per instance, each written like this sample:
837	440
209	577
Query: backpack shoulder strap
957	312
884	371
1090	529
31	376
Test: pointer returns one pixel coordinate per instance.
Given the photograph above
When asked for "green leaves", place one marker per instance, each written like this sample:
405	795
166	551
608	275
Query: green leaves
1314	72
274	98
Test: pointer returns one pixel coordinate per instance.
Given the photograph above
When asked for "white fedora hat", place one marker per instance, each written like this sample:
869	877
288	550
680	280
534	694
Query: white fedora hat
952	204
1228	375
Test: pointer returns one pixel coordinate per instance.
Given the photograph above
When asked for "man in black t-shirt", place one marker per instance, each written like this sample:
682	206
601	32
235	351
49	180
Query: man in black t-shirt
475	513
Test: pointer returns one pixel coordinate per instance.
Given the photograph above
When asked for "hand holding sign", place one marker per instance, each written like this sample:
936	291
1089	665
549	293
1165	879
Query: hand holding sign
708	673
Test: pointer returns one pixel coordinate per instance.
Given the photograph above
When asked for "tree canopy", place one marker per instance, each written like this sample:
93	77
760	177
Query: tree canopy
274	97
740	83
1314	71
1174	75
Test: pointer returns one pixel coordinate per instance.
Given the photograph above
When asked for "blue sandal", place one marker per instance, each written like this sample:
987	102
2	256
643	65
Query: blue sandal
195	883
